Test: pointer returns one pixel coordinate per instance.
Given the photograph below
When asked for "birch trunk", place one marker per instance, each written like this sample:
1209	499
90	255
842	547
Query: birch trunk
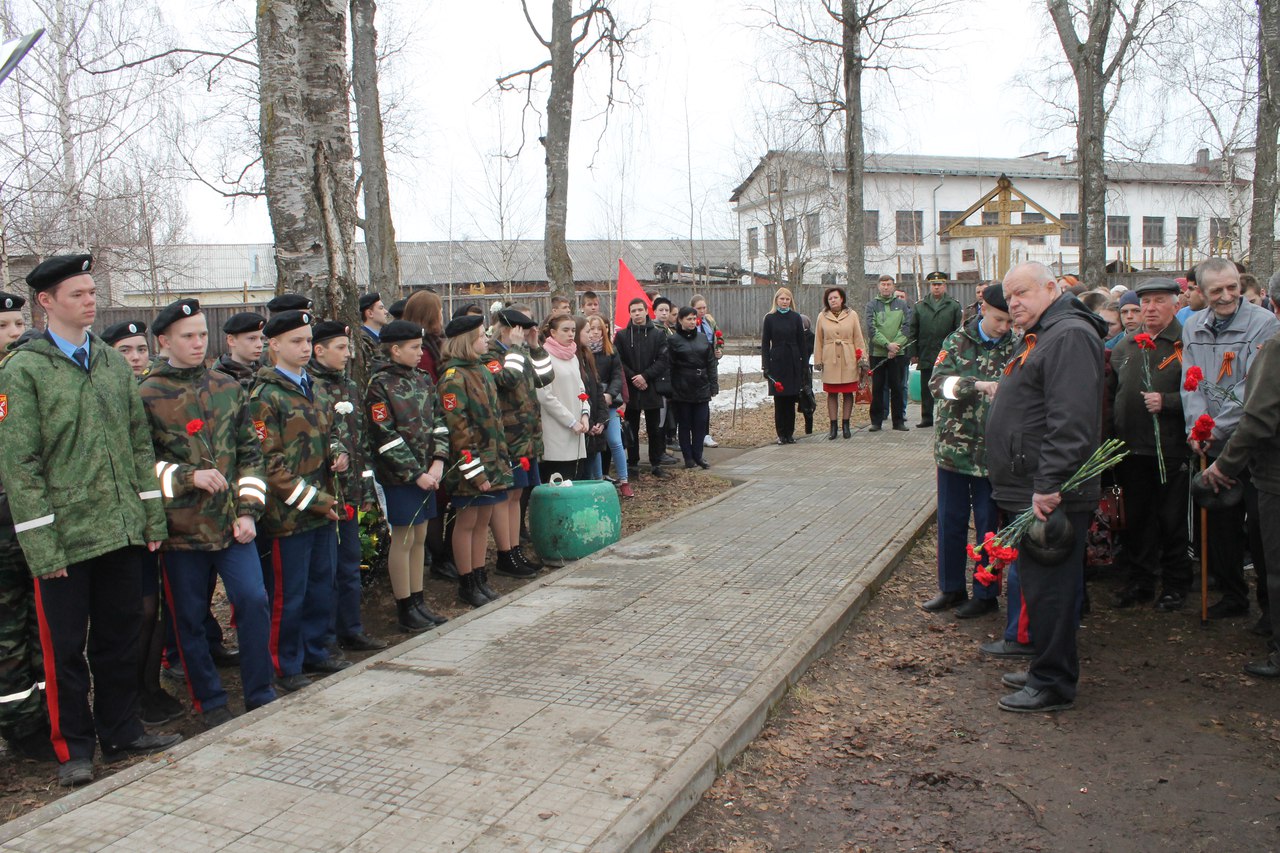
556	142
1091	163
1262	225
855	250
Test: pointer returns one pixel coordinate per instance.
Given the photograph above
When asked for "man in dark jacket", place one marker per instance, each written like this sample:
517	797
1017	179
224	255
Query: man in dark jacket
888	319
1045	422
642	349
932	320
1155	534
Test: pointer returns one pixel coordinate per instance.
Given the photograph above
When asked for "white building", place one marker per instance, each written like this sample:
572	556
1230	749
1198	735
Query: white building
1159	215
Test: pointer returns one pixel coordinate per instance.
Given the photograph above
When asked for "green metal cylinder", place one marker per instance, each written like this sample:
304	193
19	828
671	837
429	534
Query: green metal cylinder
571	522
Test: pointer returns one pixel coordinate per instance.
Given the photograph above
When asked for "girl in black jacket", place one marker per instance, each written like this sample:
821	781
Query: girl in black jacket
609	373
692	369
784	358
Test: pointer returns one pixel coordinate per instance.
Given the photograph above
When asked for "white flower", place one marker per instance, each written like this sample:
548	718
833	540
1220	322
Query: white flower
344	408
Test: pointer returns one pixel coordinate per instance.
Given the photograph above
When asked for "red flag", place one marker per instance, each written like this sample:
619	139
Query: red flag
628	289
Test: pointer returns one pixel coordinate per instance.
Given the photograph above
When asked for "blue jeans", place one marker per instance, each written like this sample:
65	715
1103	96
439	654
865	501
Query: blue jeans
613	434
299	575
186	581
346	604
958	496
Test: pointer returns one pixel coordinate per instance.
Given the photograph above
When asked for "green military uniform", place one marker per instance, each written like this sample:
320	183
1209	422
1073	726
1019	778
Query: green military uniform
406	424
521	414
350	430
245	374
473	415
964	360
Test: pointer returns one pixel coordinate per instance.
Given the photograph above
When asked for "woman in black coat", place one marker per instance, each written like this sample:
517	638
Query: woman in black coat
693	365
784	357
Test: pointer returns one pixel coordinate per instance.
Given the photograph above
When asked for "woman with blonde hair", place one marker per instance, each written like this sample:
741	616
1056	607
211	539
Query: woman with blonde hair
839	352
783	358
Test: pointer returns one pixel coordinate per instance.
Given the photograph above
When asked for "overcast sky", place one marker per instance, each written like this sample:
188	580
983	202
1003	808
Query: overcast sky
692	127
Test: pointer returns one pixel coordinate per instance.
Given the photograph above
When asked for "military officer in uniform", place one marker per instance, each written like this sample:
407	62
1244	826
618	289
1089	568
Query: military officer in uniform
244	342
129	338
80	474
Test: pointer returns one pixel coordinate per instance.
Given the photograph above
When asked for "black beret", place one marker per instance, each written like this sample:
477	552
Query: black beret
662	300
464	310
173	312
289	302
400	330
10	302
936	276
397	308
285	322
459	325
1157	285
53	271
369	300
511	317
993	295
245	321
328	329
117	332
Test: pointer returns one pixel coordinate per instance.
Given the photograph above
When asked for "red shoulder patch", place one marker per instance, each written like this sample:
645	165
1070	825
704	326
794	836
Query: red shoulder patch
494	367
380	413
4	406
449	401
260	427
942	356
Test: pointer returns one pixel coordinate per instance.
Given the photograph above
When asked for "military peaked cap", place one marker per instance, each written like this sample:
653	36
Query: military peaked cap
285	322
117	332
54	271
936	276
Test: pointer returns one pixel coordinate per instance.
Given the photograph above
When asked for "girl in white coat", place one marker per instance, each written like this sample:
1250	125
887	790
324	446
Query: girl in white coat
566	409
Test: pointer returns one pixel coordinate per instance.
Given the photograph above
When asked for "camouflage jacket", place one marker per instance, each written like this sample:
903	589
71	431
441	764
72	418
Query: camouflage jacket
245	374
960	412
350	430
473	415
200	419
516	381
296	436
370	349
406	426
77	463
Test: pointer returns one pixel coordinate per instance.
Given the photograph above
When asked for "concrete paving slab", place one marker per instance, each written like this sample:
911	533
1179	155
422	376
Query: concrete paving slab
587	711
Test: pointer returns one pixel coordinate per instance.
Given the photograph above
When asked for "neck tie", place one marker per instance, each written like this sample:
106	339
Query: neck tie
81	357
306	385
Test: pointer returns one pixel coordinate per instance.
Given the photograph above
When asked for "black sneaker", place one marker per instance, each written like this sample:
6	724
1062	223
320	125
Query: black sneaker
327	666
148	744
292	683
158	708
76	772
1170	601
659	473
216	716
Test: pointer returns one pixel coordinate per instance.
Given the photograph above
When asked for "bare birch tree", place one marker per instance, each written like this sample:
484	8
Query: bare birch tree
577	32
379	230
1262	233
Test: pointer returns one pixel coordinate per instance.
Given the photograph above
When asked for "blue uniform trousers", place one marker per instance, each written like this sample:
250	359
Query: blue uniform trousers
186	581
299	575
960	495
346	621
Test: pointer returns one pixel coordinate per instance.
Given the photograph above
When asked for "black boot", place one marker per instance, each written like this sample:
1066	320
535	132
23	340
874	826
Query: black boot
508	565
831	436
847	432
482	583
426	612
468	592
409	618
522	558
444	569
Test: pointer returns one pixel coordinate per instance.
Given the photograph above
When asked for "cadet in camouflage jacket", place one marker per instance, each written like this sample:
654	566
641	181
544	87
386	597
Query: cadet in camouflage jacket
961	412
298	447
516	380
472	414
406	425
245	374
199	419
75	498
351	431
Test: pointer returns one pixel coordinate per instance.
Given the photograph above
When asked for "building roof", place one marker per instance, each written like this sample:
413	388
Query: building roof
1038	165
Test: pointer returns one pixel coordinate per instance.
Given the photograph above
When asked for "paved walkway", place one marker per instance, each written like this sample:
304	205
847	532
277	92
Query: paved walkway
587	711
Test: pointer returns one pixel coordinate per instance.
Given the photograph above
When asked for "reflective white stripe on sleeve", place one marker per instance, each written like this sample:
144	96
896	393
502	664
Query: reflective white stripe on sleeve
392	444
251	493
296	493
160	467
33	523
22	694
543	367
474	463
441	430
166	478
306	501
150	495
514	360
474	472
949	387
253	481
368	472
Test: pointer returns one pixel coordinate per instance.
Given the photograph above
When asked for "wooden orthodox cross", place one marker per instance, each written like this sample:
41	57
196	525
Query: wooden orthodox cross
1004	200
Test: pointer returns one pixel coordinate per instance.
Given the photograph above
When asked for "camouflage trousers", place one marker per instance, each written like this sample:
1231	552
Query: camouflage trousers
22	708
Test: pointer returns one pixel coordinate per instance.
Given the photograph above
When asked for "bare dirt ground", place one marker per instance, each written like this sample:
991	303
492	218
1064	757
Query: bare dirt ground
893	741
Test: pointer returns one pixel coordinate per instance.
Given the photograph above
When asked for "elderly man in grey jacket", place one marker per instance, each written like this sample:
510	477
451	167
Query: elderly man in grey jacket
1223	340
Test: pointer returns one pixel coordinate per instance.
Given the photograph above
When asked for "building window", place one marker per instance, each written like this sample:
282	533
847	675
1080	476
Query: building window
1070	229
1188	231
1032	218
968	256
1219	236
871	228
990	217
1117	230
812	231
945	219
910	227
771	240
1153	230
789	237
753	243
777	181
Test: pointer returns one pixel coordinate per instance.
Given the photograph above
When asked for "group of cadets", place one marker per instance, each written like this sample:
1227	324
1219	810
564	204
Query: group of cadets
129	479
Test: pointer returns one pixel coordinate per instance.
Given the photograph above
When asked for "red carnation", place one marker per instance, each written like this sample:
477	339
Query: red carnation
777	386
1143	340
984	577
583	397
524	463
1194	377
350	510
194	426
857	354
719	335
466	456
974	553
1203	429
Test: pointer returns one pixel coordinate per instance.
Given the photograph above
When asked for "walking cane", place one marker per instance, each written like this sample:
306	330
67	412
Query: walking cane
1204	558
737	385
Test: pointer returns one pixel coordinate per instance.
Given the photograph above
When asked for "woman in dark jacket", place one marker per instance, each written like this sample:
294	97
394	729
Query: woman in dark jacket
609	373
692	371
783	359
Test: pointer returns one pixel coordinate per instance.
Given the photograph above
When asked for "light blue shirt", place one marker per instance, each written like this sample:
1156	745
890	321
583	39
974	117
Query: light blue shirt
68	347
1183	313
372	333
295	377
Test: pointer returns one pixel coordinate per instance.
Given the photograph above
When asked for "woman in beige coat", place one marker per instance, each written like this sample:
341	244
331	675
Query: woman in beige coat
839	351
